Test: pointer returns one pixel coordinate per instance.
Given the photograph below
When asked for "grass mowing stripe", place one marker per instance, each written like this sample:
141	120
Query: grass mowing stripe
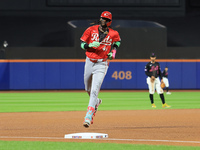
15	102
63	100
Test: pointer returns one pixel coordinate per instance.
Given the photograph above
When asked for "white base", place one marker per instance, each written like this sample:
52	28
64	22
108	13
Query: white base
86	135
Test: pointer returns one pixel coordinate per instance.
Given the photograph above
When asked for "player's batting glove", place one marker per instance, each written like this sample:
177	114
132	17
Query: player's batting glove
94	44
112	54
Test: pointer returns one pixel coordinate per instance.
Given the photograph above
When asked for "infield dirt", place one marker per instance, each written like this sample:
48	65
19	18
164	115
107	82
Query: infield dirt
168	126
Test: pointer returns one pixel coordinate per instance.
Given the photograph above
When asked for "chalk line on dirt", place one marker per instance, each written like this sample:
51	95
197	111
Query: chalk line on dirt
107	139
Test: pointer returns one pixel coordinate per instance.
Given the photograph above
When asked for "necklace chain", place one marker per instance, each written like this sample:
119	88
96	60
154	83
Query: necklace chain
104	32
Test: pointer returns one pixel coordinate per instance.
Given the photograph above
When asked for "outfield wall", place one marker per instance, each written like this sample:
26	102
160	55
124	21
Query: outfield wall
68	74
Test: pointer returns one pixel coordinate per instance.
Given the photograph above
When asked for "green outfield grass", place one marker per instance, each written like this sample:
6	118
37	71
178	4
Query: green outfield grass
16	145
61	101
76	101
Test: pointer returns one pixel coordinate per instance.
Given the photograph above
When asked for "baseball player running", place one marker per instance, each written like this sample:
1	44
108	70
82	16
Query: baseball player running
165	79
152	70
97	40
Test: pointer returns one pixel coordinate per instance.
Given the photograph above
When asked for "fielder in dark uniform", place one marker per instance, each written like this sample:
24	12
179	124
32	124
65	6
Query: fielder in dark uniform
165	79
153	71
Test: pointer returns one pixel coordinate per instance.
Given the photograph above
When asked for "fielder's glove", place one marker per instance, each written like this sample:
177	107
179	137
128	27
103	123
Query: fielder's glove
162	85
112	54
94	44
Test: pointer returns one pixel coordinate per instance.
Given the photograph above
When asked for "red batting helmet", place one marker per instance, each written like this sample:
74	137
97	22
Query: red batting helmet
108	15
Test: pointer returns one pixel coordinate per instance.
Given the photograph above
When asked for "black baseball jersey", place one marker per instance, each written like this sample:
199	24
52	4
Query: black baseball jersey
165	74
153	69
102	35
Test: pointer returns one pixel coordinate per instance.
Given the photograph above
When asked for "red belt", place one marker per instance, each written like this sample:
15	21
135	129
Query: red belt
97	60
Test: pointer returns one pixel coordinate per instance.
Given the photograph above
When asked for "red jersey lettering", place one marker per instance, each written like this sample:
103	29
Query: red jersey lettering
91	34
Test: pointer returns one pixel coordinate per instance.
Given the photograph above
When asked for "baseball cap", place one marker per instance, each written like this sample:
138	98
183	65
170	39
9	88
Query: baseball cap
153	55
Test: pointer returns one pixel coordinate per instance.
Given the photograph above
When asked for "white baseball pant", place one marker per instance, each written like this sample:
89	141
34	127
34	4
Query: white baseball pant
166	81
154	86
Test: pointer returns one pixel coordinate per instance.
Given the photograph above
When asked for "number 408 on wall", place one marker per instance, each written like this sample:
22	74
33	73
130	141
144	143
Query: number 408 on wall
122	75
